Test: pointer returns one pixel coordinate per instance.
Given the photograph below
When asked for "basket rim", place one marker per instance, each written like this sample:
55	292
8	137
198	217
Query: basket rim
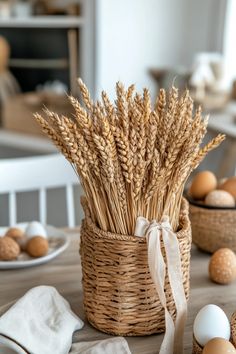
208	210
195	203
195	342
99	233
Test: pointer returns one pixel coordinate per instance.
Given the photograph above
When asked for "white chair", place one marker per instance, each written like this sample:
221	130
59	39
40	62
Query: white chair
37	173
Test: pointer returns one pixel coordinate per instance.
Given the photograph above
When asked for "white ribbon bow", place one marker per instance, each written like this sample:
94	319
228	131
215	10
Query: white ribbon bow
173	338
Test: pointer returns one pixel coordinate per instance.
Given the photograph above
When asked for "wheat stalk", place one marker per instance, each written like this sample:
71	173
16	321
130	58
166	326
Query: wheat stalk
132	159
204	151
86	95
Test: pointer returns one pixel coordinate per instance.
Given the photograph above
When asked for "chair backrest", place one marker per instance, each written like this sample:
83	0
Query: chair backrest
37	173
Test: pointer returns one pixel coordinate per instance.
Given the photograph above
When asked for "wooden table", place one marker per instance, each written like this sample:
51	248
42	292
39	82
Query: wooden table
65	274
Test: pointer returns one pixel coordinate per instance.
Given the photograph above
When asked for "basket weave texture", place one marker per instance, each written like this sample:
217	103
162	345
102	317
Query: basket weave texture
119	295
213	228
197	349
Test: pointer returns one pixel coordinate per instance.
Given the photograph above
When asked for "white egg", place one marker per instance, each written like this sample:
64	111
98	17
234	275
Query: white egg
211	322
35	228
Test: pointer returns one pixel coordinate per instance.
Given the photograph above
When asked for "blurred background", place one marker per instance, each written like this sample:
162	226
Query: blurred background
46	44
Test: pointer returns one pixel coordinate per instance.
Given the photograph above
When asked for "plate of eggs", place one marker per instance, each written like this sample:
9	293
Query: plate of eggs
207	192
30	244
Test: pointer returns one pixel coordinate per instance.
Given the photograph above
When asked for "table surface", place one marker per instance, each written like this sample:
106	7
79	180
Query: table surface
224	121
13	139
64	273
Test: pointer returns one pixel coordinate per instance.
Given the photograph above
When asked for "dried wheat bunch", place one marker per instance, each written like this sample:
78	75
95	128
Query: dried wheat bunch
132	159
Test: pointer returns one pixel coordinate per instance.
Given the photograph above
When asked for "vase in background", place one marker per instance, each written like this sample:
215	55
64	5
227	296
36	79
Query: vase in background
5	8
22	8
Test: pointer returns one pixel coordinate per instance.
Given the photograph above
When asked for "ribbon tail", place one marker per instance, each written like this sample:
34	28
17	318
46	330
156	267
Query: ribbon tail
175	275
157	269
167	345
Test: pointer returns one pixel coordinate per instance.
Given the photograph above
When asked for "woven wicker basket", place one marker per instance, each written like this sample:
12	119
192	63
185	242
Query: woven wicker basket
197	349
119	295
213	228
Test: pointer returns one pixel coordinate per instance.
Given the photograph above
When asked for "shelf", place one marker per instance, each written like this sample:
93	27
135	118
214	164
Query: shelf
39	63
43	22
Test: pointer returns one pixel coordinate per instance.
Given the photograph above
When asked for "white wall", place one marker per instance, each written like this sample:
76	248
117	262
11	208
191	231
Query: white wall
203	27
229	43
135	35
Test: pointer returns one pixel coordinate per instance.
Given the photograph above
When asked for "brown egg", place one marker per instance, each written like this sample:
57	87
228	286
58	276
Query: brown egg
14	233
222	266
9	249
230	186
37	246
203	183
5	54
233	328
220	198
18	236
22	242
219	346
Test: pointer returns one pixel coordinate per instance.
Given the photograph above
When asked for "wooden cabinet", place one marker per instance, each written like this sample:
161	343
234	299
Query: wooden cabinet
52	47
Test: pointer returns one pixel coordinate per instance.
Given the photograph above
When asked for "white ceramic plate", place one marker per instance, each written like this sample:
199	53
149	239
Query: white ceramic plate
58	242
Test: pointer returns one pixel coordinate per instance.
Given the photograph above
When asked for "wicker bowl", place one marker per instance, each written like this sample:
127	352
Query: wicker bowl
119	295
213	228
197	349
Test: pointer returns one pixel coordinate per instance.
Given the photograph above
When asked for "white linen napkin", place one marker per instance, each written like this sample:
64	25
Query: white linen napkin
117	345
41	322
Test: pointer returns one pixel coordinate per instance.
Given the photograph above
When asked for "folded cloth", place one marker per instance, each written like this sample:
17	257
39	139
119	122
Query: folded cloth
41	322
116	345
